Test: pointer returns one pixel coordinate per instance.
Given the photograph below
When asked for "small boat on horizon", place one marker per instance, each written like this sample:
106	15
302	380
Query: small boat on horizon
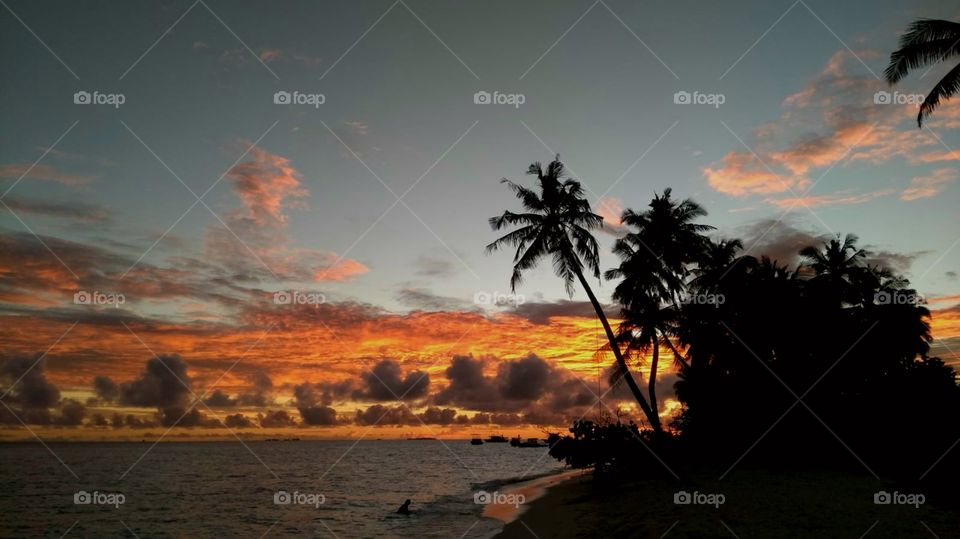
532	442
496	439
476	441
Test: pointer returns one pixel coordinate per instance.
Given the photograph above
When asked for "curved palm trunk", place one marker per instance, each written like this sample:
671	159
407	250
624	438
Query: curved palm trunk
652	386
621	362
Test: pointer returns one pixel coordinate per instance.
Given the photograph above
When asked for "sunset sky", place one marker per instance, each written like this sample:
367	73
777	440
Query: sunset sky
377	199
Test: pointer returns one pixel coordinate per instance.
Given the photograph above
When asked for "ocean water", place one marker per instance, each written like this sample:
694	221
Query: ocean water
210	489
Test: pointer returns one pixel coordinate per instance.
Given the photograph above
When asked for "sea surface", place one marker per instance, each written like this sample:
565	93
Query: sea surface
228	489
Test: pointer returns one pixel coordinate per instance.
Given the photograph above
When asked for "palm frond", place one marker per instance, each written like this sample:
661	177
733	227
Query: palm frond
948	87
919	55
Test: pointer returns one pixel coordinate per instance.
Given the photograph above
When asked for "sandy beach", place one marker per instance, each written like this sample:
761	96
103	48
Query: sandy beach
757	504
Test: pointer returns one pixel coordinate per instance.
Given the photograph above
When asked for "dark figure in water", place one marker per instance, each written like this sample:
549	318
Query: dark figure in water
405	508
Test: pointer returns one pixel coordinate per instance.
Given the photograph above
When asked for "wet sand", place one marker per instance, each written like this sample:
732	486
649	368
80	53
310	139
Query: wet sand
530	490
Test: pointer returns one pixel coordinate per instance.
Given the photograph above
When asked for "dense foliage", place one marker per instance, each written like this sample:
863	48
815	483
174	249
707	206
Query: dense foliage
823	362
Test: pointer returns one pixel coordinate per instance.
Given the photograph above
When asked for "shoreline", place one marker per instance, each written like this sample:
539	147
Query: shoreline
532	490
757	503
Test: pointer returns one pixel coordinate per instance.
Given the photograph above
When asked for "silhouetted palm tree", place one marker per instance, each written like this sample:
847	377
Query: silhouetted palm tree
837	267
927	42
557	223
646	326
655	260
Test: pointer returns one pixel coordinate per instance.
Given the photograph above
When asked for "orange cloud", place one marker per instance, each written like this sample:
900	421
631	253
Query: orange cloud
848	124
935	157
834	199
930	185
343	270
610	209
741	173
264	185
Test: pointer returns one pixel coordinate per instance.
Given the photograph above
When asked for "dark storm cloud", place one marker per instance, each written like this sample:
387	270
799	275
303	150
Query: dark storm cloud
386	382
29	395
275	419
164	383
260	392
325	393
71	413
105	388
542	417
898	262
541	312
572	393
438	416
238	421
219	399
778	240
94	268
379	414
312	401
319	416
183	417
505	419
132	421
306	394
525	379
518	386
73	211
424	300
468	387
435	266
783	240
26	384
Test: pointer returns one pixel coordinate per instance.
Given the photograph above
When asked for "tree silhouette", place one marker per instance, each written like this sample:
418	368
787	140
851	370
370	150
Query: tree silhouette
556	223
655	261
927	42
